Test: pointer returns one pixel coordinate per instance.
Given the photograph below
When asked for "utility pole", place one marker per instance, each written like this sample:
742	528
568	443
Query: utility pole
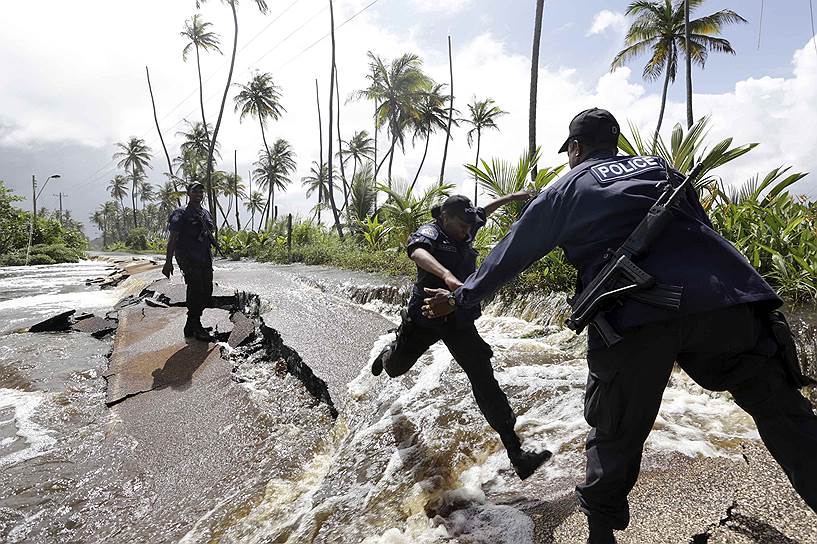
34	196
60	195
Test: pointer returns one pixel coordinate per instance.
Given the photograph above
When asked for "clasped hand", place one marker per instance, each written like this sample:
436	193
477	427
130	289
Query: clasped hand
437	305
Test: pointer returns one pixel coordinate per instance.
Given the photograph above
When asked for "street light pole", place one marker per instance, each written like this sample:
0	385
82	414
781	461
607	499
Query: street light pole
36	194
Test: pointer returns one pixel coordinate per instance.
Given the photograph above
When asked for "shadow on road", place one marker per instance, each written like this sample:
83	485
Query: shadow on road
180	367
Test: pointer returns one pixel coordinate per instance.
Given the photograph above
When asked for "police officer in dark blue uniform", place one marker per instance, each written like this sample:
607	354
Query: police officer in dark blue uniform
191	236
445	256
720	334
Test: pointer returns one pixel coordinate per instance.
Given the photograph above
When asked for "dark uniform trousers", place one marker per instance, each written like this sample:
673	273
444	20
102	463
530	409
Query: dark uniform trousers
198	276
724	350
474	357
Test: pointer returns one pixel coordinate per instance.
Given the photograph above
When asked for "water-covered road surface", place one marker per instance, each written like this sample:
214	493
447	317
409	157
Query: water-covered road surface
244	454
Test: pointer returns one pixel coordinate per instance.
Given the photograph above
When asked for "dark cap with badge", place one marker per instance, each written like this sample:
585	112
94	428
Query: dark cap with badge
457	205
594	126
195	186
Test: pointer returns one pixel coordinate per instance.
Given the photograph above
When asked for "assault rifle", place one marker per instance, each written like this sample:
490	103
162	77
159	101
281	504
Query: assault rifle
621	277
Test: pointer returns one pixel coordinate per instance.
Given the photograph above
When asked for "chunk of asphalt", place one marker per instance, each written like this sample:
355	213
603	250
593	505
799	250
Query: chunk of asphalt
60	322
98	327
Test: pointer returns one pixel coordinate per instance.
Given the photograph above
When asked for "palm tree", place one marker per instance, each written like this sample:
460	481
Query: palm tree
136	155
260	98
398	89
118	188
197	31
99	219
362	196
168	196
317	181
234	190
194	149
253	204
431	115
357	149
659	27
406	212
273	170
147	193
262	7
484	114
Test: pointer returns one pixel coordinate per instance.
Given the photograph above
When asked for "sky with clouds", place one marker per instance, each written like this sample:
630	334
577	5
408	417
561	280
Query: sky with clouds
75	82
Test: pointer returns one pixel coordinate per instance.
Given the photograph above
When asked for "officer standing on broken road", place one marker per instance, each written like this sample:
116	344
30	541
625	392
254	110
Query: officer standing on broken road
191	237
694	300
445	256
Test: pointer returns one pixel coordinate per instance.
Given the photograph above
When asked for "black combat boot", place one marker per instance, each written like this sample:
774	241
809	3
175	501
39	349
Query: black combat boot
377	364
524	463
192	327
600	533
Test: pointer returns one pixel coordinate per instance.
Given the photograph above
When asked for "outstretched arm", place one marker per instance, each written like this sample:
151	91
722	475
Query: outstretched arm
427	262
520	196
536	233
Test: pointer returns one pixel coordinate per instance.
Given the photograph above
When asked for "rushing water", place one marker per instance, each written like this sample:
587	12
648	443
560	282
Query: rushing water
408	460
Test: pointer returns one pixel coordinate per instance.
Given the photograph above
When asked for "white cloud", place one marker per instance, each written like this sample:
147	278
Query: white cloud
605	20
441	6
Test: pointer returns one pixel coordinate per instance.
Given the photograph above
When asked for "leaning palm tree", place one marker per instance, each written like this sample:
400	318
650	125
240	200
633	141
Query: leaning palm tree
254	204
134	155
262	7
484	114
358	148
398	89
317	182
659	28
273	170
260	98
118	188
432	114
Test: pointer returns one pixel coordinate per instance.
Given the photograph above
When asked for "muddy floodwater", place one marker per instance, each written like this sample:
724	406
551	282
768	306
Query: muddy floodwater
409	460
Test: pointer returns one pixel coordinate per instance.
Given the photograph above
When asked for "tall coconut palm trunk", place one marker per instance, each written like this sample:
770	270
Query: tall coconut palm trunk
161	138
422	161
391	156
688	64
450	111
331	95
534	83
133	197
213	140
663	105
476	163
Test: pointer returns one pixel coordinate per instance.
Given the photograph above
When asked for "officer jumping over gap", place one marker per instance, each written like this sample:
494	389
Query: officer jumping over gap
191	235
708	310
445	256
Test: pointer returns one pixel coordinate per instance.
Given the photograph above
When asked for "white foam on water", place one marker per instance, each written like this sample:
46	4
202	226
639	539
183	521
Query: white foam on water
37	439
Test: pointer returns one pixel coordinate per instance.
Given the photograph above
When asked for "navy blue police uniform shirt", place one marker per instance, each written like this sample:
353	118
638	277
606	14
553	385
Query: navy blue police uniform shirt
193	226
460	258
593	208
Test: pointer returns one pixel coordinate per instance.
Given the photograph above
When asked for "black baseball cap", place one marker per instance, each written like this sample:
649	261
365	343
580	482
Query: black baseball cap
458	206
595	126
195	185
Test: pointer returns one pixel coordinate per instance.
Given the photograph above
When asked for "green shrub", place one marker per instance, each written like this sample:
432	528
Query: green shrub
137	238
